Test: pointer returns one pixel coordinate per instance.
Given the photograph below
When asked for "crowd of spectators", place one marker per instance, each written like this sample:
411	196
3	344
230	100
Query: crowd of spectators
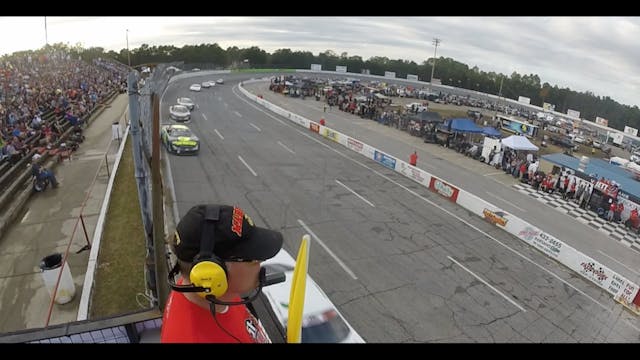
41	90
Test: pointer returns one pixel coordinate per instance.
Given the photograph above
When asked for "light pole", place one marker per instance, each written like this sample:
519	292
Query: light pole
436	42
46	37
128	53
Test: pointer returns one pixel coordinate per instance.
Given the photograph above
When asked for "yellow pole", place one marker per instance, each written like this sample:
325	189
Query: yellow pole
296	297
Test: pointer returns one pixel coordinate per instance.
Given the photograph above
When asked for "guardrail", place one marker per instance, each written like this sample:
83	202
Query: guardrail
622	289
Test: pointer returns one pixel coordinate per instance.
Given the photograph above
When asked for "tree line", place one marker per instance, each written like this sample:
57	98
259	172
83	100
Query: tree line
449	71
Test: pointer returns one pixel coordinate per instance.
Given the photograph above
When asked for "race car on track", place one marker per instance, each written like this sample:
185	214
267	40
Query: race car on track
186	102
178	139
179	113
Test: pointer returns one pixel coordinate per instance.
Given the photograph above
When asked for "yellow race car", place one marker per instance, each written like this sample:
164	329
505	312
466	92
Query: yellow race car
178	139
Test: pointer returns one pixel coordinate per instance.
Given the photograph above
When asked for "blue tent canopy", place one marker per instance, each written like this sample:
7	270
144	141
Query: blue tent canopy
463	125
491	131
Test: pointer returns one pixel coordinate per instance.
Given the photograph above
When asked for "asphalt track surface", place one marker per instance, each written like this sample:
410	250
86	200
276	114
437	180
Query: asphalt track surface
401	263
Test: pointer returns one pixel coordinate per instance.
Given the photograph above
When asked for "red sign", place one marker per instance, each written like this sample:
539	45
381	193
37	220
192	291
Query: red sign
444	189
607	188
314	127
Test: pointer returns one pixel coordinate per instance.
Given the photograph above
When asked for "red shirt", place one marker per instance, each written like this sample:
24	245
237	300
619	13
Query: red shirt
413	159
186	322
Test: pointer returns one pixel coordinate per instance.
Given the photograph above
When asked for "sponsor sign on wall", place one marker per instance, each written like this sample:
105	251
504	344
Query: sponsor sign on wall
444	189
316	67
314	127
354	145
602	121
548	107
631	131
573	113
541	241
384	159
412	77
390	74
413	173
341	68
330	134
524	100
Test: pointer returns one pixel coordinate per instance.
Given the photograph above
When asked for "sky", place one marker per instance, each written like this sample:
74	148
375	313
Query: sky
597	54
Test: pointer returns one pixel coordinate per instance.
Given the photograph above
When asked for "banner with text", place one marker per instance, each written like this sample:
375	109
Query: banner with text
342	69
631	131
573	113
412	77
316	67
390	74
384	159
524	100
449	191
418	175
602	121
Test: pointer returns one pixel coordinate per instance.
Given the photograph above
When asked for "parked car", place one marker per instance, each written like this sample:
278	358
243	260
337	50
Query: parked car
179	113
205	84
321	322
195	87
178	139
186	102
220	81
419	107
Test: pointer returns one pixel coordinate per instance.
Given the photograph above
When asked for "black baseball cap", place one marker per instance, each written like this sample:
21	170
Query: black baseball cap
235	235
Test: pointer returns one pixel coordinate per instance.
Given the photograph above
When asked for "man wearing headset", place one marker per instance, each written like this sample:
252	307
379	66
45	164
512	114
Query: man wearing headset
218	252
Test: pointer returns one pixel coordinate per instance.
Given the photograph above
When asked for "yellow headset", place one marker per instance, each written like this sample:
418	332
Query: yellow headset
208	275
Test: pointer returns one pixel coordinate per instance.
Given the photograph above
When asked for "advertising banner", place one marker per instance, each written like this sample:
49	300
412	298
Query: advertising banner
449	191
316	67
548	107
355	145
342	69
384	159
412	77
314	127
390	74
631	131
524	100
573	113
418	175
331	134
602	121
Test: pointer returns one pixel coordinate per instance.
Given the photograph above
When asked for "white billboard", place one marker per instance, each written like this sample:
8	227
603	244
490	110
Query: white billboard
435	81
602	121
412	77
524	100
316	67
342	69
390	74
631	131
573	113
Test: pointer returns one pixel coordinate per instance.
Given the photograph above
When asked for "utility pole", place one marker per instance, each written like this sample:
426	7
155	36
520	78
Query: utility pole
436	42
128	53
46	37
499	97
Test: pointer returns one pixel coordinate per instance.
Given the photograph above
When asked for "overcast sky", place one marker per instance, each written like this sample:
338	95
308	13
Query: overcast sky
599	54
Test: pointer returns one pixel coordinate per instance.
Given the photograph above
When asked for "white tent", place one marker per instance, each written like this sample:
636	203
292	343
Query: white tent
519	142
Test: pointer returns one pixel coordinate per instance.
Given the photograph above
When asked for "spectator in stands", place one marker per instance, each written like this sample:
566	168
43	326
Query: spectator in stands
217	248
41	172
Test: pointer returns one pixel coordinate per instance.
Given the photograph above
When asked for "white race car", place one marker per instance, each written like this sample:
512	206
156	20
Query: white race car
321	320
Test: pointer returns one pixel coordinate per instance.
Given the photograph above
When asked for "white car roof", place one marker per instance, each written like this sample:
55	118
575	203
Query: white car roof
316	301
